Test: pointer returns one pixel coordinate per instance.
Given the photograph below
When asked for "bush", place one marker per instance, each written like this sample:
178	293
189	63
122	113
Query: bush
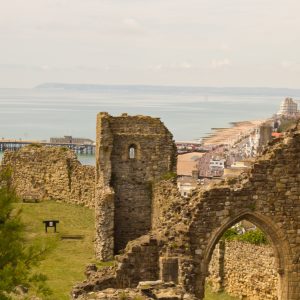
256	237
230	234
168	176
35	145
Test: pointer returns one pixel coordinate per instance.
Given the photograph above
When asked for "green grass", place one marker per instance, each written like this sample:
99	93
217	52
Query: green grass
65	264
209	295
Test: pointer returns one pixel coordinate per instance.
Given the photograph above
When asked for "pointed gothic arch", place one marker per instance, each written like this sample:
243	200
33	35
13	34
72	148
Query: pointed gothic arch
276	238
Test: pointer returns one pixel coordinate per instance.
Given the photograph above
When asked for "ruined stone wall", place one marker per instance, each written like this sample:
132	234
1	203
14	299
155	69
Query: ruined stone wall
46	173
267	196
140	262
165	193
128	180
244	270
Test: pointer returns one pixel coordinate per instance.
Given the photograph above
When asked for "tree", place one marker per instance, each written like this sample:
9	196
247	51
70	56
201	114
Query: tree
17	257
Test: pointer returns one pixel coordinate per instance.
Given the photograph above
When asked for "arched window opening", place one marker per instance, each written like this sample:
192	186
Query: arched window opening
242	263
132	152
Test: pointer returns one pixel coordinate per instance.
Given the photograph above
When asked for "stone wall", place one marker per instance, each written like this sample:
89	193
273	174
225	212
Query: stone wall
267	196
139	262
46	173
164	194
244	270
131	153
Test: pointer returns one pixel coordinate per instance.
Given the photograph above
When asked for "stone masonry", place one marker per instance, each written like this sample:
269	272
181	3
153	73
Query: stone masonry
45	173
132	152
186	231
244	270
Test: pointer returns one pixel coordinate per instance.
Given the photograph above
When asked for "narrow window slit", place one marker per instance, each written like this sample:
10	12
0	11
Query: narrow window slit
132	152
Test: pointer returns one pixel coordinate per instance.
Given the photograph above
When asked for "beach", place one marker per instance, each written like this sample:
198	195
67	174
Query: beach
231	134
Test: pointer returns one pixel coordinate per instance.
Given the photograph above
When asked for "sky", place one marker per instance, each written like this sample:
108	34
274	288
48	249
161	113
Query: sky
155	42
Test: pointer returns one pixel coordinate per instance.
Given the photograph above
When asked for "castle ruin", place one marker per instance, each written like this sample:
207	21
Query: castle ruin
184	232
132	152
167	237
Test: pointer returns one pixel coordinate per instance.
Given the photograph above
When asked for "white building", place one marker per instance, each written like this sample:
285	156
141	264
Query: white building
186	185
216	167
217	163
288	107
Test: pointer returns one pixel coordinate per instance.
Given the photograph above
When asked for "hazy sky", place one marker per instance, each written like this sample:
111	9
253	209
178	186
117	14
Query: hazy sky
175	42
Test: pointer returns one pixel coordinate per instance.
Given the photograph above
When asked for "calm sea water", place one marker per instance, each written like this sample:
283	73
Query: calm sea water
189	113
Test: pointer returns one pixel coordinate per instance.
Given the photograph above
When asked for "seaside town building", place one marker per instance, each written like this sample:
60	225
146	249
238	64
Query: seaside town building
188	146
237	168
216	166
288	107
187	184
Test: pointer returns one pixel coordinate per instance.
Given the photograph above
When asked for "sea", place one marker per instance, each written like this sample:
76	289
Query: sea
55	110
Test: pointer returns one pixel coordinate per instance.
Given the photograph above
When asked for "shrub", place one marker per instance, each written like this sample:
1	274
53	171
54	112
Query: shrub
230	234
169	175
35	145
256	236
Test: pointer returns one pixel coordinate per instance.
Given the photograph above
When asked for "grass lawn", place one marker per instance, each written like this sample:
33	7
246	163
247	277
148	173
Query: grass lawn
65	264
209	295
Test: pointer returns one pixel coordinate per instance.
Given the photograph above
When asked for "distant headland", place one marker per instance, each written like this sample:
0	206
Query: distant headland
254	91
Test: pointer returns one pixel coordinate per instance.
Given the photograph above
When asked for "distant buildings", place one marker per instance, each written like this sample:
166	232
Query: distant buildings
288	107
188	146
216	166
230	151
186	185
68	139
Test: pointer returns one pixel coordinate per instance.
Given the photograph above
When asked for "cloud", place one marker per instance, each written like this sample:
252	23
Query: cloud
290	65
132	25
184	65
285	64
225	47
220	63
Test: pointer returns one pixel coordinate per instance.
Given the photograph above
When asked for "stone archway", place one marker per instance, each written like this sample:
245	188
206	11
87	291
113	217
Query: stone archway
268	196
276	238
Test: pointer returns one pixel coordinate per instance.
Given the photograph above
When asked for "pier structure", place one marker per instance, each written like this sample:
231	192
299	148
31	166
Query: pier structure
14	144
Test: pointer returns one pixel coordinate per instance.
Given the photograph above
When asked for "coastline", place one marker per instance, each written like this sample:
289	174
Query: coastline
231	134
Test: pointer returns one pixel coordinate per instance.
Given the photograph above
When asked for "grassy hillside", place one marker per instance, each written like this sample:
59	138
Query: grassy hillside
65	264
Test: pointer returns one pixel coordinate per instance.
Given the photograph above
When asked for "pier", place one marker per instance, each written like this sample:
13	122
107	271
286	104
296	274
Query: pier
14	144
